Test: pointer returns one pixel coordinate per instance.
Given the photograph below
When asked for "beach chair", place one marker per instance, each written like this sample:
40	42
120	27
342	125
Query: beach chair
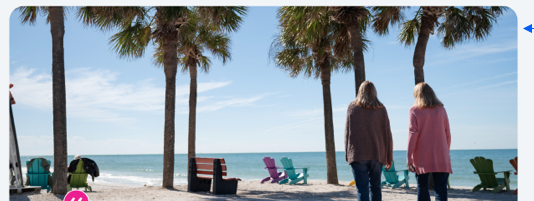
203	170
293	177
393	179
484	169
514	163
271	167
37	175
78	178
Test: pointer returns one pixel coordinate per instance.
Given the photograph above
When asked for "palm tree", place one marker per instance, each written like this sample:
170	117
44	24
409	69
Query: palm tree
313	45
137	27
454	25
355	19
197	37
55	16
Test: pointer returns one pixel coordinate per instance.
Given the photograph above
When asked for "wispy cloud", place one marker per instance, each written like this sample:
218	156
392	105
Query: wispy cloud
227	103
470	51
481	80
483	87
496	85
99	94
43	145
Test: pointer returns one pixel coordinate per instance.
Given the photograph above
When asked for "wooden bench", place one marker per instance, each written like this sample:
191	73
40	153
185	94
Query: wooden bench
203	170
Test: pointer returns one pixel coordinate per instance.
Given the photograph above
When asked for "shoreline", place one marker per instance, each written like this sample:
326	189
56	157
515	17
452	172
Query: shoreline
254	190
30	155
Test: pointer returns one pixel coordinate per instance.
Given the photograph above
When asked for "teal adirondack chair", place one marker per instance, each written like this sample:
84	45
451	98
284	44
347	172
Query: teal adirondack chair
293	177
484	169
394	180
37	175
78	178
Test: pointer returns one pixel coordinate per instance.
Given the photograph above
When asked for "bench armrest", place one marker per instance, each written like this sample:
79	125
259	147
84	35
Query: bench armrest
274	167
301	168
37	174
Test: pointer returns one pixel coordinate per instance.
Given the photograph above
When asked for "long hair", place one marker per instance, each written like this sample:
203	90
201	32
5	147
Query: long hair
425	96
367	97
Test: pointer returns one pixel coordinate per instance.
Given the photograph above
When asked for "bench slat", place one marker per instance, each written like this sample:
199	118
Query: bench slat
205	177
208	160
208	172
209	167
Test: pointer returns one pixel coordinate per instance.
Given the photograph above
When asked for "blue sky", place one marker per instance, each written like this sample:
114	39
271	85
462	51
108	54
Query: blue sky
115	106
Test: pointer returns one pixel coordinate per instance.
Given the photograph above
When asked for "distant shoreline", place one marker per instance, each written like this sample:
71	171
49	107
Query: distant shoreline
250	152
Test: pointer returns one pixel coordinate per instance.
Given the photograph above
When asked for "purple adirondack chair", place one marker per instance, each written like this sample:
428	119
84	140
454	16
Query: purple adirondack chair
271	167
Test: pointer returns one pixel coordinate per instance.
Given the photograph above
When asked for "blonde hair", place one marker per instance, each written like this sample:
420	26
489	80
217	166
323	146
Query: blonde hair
367	96
425	96
77	157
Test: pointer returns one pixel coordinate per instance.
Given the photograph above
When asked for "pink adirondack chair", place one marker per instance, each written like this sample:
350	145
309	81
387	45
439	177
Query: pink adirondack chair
271	167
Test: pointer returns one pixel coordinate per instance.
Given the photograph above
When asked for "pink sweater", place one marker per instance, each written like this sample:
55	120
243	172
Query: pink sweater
429	140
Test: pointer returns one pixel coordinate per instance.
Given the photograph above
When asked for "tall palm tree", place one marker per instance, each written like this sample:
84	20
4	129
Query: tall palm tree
355	19
313	45
55	16
454	25
137	27
197	37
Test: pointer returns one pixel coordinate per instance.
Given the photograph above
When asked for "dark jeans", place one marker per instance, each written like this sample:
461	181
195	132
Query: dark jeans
440	186
367	173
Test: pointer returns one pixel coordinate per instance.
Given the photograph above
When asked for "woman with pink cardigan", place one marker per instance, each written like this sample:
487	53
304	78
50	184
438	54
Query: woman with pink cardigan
429	143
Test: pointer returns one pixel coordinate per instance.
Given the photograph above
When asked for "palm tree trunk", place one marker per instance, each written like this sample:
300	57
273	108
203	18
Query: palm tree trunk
192	114
357	47
331	168
427	25
57	29
170	65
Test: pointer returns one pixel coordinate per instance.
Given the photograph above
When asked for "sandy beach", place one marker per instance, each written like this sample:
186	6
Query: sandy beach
253	190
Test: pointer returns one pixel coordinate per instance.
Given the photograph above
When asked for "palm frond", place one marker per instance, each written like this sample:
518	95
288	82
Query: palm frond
223	18
385	16
131	40
410	29
456	28
106	18
28	14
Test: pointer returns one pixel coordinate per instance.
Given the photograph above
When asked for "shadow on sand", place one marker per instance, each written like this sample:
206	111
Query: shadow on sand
349	194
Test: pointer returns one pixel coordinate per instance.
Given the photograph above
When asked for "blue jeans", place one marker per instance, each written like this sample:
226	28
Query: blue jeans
368	172
440	186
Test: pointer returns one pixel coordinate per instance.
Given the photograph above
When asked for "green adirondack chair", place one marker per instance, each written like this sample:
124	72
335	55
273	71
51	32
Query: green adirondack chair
484	169
78	178
394	180
37	175
293	177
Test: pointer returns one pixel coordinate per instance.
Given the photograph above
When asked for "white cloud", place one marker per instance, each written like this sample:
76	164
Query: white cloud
44	145
469	51
496	85
481	80
99	95
483	87
226	103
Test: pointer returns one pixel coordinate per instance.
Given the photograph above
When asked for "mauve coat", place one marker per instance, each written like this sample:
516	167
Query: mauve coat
429	140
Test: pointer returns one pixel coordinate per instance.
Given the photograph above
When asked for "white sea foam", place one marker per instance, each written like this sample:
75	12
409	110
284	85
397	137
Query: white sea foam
135	180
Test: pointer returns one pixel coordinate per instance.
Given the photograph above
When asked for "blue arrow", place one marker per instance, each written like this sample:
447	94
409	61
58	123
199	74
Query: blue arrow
528	28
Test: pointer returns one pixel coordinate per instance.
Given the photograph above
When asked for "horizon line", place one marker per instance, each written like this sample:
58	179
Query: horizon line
256	152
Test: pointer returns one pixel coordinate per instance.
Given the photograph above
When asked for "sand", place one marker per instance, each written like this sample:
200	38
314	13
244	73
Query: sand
253	190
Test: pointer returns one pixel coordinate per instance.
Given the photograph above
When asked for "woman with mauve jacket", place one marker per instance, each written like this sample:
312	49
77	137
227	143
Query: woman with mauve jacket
429	142
368	141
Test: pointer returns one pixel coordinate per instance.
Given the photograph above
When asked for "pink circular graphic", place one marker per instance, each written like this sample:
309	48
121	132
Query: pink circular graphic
76	195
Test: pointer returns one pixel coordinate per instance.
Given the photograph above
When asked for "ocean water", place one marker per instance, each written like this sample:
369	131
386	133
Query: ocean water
148	169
